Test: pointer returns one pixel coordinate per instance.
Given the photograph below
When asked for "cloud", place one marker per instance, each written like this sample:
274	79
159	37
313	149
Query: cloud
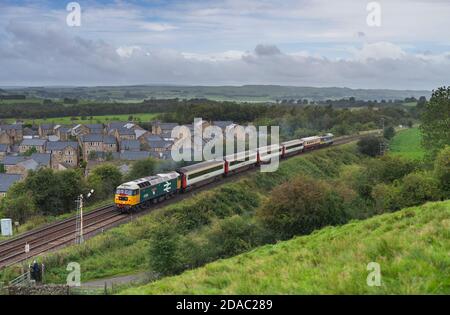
267	50
212	42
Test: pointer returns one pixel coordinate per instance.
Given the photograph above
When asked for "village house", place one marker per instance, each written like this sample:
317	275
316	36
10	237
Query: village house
124	134
27	144
46	130
97	143
4	149
23	164
63	152
160	146
64	132
6	181
10	134
130	145
159	128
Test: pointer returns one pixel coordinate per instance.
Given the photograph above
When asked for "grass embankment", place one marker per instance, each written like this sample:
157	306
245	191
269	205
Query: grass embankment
95	119
411	246
125	249
407	143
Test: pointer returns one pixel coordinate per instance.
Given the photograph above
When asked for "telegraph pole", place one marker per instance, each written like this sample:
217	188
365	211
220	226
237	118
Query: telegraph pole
79	233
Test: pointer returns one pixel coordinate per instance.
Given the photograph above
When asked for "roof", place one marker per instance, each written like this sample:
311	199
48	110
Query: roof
160	144
10	127
94	126
61	145
134	155
223	124
109	140
139	132
152	180
125	131
34	142
4	147
153	138
13	159
132	145
7	180
41	158
47	126
98	138
29	164
200	166
166	125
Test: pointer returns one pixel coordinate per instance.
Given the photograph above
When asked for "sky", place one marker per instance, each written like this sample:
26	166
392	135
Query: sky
227	42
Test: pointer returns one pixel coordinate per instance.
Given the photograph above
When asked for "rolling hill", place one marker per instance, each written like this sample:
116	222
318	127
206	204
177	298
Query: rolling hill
412	247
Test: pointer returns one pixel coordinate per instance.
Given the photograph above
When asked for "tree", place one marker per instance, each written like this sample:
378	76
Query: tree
18	203
435	120
44	187
164	249
418	188
442	170
370	145
301	206
70	187
30	151
142	168
389	133
104	179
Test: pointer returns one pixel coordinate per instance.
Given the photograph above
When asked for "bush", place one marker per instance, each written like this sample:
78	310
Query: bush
418	188
164	250
233	236
104	179
370	145
389	168
142	168
301	206
389	133
442	170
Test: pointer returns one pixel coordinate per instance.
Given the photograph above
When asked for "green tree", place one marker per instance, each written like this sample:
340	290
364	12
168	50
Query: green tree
435	120
71	186
44	187
18	203
389	132
370	145
104	179
164	250
142	168
30	151
442	170
301	206
418	188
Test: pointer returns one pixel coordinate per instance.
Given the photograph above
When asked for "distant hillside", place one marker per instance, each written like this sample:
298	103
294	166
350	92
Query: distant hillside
411	247
250	93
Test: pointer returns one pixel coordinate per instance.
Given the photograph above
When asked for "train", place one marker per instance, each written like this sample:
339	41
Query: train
143	192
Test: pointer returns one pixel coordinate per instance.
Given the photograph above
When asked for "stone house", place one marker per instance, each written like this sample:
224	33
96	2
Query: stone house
63	152
10	134
97	143
27	144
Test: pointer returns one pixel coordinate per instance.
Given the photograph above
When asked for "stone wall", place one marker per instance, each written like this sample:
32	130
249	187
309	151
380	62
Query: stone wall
39	290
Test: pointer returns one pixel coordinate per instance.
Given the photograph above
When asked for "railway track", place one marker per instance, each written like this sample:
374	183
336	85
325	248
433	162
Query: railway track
62	233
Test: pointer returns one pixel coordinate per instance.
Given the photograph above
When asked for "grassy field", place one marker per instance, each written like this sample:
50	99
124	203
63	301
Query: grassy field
411	247
95	119
407	143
